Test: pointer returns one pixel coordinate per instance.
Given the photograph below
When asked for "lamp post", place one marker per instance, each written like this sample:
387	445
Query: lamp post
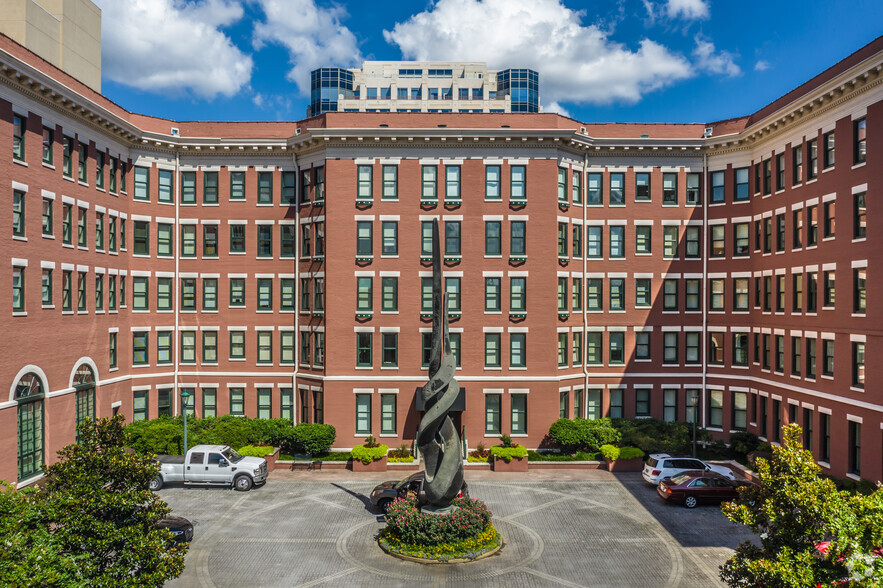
693	403
185	396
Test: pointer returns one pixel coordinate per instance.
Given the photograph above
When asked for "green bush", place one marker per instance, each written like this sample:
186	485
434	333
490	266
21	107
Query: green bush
409	525
656	436
582	434
467	549
507	454
613	453
368	454
401	451
478	458
743	443
255	451
409	459
578	456
312	439
165	435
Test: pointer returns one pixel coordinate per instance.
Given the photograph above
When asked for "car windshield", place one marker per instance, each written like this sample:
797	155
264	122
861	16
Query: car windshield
678	480
403	483
231	455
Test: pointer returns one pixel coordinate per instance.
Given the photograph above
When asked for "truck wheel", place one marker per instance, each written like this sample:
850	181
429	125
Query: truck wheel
242	483
383	505
156	483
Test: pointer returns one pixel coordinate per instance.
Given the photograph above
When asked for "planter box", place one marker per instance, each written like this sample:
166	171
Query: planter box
636	464
514	465
378	465
271	460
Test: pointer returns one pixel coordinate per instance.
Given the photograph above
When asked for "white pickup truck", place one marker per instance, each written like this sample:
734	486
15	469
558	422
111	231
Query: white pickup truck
211	464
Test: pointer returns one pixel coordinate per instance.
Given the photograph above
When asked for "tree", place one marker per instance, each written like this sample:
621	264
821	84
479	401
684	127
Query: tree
792	510
93	522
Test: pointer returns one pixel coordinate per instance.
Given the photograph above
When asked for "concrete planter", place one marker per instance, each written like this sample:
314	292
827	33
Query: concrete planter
378	465
636	464
271	460
514	465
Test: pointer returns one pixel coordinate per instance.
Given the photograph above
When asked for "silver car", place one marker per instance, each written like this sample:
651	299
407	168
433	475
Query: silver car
660	466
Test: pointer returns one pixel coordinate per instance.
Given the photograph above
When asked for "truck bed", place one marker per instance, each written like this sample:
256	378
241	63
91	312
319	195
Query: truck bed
178	459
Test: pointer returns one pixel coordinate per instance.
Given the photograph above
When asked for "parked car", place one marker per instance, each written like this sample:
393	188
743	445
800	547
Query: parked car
383	494
181	528
211	464
699	486
660	466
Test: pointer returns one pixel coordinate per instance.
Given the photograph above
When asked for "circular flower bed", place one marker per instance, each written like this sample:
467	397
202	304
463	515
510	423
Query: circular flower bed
465	534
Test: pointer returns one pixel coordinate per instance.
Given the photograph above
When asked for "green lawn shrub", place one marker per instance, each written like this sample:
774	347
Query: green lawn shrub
657	436
573	435
578	456
507	454
613	453
255	450
368	454
311	438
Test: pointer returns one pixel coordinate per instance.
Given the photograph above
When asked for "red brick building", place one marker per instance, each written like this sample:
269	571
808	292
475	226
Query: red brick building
280	269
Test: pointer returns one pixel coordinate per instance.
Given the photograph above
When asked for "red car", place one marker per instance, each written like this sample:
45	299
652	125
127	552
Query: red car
692	487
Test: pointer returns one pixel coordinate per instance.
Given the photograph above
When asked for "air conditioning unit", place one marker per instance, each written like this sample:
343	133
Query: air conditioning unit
708	132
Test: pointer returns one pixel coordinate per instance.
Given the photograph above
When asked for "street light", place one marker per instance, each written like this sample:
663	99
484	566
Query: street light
694	400
185	396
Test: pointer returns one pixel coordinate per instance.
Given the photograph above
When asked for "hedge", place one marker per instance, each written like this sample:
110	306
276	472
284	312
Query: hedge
368	454
573	435
613	453
578	456
255	451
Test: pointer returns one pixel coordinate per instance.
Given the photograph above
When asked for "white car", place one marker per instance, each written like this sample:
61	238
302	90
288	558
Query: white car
660	466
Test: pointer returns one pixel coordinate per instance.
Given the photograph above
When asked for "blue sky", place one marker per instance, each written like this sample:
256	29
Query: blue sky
623	61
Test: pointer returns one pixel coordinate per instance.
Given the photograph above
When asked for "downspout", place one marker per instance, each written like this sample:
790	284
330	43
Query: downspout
294	391
585	231
177	288
707	233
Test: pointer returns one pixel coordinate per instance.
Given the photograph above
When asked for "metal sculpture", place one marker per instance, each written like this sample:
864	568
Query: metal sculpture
437	436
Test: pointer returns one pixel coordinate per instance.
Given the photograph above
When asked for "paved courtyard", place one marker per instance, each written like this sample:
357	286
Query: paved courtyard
561	528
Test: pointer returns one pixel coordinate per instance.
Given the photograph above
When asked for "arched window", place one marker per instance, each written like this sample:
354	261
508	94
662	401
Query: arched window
29	394
84	383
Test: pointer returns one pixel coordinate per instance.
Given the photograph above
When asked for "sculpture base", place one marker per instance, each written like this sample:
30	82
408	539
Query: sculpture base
438	510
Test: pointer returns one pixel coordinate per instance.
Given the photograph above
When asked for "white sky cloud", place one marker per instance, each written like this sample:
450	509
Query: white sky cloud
313	36
687	9
710	60
761	65
173	47
577	63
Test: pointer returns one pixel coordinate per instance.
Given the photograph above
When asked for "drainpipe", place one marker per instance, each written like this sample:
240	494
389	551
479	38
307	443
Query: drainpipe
177	284
585	232
707	233
297	198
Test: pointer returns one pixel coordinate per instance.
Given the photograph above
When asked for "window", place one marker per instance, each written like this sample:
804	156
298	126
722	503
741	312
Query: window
617	241
518	182
265	240
265	187
718	240
429	177
780	172
140	354
425	238
305	243
305	347
716	296
518	294
388	414
740	293
860	216
237	238
562	184
18	289
364	294
780	293
47	287
237	292
740	349
265	294
594	241
209	188
492	238
617	294
716	408
691	298
768	235
518	350
364	238
855	448
425	294
319	353
390	182
741	184
643	239
389	349
577	188
18	213
858	365
237	401
452	290
492	294
562	295
209	294
389	294
237	185
81	291
164	191
18	137
740	236
577	240
188	240
617	189
859	138
452	182
518	404
577	353
491	350
796	165
593	349
164	239
595	186
66	224
828	147
237	345
48	143
594	296
829	289
642	186
642	402
642	292
577	294
812	170
859	298
265	346
692	348
692	406
616	404
642	345
670	294
452	238
670	242
616	351
562	239
209	402
693	198
164	347
669	189
164	293
209	240
320	239
188	187
492	404
717	187
142	238
780	354
767	176
188	346
363	349
563	408
492	182
828	357
670	348
829	225
286	294
796	361
825	437
810	358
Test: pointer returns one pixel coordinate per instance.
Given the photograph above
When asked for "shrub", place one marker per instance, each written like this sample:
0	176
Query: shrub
401	451
370	442
368	454
578	456
507	454
613	453
166	434
505	441
479	454
656	436
467	549
312	439
582	434
409	459
255	451
409	525
743	443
